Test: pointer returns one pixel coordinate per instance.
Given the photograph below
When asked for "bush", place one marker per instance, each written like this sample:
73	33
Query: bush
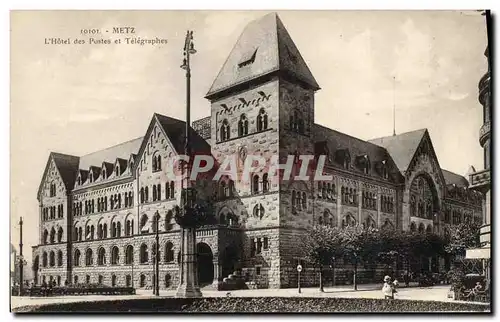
259	305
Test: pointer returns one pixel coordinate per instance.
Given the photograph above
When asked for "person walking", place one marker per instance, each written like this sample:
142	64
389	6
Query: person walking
388	289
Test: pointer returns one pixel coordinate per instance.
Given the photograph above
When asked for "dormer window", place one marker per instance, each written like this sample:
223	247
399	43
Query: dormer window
91	176
103	173
344	158
385	170
363	162
131	165
79	180
117	170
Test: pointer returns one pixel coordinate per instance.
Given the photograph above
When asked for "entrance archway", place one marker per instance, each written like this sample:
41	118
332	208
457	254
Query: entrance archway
205	264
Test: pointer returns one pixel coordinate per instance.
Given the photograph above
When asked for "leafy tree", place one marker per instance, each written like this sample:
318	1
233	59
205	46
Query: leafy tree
462	237
320	245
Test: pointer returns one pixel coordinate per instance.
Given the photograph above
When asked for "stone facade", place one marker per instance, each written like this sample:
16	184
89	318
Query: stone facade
110	198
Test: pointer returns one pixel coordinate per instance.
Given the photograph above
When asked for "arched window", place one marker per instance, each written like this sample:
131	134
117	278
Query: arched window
230	190
262	120
52	235
169	252
113	280
115	255
52	259
89	259
243	125
44	259
101	257
146	197
128	280
100	279
369	223
142	280
224	130
156	160
144	255
80	234
168	220
118	229
255	184
258	211
421	228
158	192
45	236
76	259
265	183
59	258
293	199
304	200
349	221
154	192
99	232
129	254
172	190
413	227
75	279
387	225
142	195
222	219
145	224
87	279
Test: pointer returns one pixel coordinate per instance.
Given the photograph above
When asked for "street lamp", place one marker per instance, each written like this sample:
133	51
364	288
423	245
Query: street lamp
185	213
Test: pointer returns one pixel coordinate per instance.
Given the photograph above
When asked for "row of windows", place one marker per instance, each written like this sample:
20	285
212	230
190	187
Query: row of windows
52	235
100	280
297	122
326	190
157	192
144	255
103	173
421	208
369	200
227	190
49	213
299	200
387	204
102	231
421	228
257	245
50	260
349	196
261	125
115	202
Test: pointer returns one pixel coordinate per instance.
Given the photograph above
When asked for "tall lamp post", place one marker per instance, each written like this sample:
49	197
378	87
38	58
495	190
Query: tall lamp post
185	214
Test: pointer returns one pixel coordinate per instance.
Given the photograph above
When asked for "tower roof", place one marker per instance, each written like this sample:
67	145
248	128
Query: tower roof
263	47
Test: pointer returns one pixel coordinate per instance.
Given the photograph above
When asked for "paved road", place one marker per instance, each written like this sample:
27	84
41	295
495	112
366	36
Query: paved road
435	293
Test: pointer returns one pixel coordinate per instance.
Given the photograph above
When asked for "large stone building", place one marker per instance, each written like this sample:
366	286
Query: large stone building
97	210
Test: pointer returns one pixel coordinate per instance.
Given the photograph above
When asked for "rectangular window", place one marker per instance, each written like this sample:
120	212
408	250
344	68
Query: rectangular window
266	243
257	270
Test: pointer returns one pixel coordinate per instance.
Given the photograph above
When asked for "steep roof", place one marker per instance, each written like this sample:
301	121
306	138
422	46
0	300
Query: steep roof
67	165
176	130
401	147
263	47
122	150
356	147
453	178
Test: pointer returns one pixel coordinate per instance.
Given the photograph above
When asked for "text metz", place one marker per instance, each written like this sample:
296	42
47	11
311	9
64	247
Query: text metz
123	30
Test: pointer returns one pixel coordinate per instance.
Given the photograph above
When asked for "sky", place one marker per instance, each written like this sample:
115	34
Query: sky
77	99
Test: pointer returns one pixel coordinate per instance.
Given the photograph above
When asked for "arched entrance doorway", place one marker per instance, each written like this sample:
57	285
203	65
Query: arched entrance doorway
205	264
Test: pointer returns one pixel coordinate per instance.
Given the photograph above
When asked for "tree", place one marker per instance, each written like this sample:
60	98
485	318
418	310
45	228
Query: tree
462	237
359	245
320	245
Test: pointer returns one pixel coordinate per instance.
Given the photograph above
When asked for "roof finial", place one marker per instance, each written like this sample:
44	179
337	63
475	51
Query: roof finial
393	105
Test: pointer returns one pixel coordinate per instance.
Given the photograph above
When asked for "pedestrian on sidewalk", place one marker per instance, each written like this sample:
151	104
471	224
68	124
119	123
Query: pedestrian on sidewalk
389	288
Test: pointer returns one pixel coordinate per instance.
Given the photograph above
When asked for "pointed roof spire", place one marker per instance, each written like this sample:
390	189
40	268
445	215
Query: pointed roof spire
264	47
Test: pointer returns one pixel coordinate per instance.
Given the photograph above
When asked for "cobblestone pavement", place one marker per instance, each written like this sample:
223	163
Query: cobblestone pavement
435	293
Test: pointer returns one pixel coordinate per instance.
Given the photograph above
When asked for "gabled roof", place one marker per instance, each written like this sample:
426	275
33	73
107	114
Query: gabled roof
176	132
342	143
122	150
401	147
453	178
263	47
67	165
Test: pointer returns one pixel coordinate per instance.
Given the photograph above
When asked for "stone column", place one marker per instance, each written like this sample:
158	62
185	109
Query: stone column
217	275
188	286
